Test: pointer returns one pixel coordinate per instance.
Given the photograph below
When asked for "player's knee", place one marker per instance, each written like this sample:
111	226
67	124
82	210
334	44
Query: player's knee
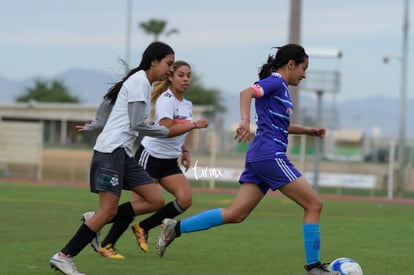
237	217
316	206
158	202
110	214
185	202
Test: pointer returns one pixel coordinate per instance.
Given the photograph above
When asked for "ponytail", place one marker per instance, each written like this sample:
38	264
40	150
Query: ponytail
283	55
159	88
155	51
267	68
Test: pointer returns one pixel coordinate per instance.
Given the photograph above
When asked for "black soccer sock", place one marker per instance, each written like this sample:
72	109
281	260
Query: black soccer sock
121	221
177	229
78	242
125	212
170	210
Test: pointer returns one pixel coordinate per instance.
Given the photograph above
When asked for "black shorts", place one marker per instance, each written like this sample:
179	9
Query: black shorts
115	171
156	167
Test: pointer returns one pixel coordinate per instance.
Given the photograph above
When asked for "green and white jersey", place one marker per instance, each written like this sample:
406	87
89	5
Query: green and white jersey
117	131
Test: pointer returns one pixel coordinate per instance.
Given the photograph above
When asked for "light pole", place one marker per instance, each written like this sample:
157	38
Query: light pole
321	82
403	99
318	152
128	34
295	20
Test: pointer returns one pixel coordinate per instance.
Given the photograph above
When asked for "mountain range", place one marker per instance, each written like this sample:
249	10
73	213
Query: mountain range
373	114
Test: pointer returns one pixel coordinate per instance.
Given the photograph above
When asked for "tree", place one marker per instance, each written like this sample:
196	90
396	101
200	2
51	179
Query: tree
156	27
199	95
55	91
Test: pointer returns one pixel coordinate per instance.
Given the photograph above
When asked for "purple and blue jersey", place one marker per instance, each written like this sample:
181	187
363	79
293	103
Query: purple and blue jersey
273	112
266	162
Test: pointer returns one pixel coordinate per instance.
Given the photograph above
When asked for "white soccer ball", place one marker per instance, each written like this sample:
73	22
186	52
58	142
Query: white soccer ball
346	266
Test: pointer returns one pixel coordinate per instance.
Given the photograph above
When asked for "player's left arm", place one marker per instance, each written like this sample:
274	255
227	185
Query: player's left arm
185	157
309	131
137	118
102	115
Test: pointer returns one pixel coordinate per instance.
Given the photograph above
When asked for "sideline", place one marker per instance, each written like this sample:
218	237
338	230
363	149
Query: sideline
217	191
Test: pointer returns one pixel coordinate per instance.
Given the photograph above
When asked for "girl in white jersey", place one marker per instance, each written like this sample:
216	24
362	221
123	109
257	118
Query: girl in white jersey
113	166
159	156
267	166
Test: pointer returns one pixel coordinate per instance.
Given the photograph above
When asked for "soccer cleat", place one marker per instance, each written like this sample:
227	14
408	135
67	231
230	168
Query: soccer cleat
167	235
141	235
319	269
110	252
95	241
64	264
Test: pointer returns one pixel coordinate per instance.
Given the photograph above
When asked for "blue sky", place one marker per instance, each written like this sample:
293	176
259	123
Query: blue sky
225	41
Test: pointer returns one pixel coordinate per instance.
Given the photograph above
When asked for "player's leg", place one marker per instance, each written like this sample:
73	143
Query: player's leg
150	200
177	185
100	182
140	234
301	192
62	260
247	197
95	244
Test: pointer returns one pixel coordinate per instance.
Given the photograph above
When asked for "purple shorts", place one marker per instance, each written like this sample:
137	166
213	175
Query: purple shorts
270	174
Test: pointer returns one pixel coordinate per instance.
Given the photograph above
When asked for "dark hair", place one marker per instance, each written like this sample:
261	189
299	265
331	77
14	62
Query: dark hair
155	51
283	55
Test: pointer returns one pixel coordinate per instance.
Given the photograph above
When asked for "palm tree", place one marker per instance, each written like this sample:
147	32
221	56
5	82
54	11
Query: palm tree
156	27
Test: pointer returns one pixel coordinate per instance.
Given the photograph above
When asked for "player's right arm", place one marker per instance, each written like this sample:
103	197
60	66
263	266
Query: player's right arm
243	130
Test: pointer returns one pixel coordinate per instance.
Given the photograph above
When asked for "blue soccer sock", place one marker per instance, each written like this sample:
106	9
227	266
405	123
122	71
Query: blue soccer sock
201	221
312	240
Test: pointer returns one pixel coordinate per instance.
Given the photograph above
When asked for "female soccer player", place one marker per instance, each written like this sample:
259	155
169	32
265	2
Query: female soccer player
159	156
113	166
266	166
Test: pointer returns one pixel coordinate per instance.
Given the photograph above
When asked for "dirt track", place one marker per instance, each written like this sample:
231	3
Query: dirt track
71	167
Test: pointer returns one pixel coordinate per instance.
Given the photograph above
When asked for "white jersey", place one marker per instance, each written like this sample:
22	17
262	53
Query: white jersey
117	131
180	112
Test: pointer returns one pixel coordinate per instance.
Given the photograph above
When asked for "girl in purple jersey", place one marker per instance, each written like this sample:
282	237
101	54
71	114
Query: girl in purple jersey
267	166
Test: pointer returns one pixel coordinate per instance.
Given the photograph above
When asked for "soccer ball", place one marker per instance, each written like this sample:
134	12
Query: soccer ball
346	266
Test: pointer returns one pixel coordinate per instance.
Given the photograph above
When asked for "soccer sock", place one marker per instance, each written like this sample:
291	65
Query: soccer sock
201	221
78	242
312	240
125	216
170	210
125	212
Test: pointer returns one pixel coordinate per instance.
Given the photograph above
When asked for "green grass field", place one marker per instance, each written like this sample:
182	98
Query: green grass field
38	220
